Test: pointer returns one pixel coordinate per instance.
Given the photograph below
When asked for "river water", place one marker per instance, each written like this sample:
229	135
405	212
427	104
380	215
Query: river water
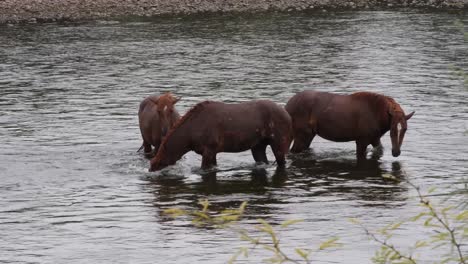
73	189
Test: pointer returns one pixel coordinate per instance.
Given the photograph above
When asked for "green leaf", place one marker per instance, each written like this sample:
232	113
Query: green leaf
270	248
230	212
354	221
420	244
302	253
462	216
329	243
446	209
235	256
395	226
291	222
389	176
440	237
394	256
403	261
201	215
205	204
431	190
275	260
266	227
226	218
246	237
174	212
428	221
242	207
245	251
465	232
438	245
418	216
449	259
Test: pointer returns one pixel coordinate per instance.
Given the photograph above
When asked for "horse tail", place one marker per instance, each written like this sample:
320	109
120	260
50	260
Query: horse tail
150	99
140	148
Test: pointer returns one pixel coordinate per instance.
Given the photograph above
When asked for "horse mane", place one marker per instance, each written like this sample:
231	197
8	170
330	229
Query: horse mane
382	104
154	99
190	113
169	95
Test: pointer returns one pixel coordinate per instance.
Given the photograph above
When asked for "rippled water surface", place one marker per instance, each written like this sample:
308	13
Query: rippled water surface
73	189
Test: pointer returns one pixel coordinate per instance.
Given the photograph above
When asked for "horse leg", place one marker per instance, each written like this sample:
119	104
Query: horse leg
361	147
279	150
146	148
378	148
259	153
208	159
376	143
156	148
302	141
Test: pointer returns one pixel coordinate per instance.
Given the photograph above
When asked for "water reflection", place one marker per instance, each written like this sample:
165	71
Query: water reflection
307	175
254	185
367	181
255	180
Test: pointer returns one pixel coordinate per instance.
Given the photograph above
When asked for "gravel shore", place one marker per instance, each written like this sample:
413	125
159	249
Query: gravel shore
15	11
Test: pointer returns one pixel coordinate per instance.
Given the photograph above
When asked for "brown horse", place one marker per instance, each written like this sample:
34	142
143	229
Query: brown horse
156	116
213	127
363	117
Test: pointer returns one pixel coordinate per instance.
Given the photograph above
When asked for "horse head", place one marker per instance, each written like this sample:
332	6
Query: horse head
170	151
165	108
161	161
398	127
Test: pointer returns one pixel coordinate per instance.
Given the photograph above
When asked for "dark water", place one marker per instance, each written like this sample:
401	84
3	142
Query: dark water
74	190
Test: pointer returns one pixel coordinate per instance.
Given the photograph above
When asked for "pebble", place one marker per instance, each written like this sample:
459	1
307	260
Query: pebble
33	11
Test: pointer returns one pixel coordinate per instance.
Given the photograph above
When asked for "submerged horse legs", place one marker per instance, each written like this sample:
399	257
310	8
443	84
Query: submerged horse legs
378	148
361	147
147	150
376	143
208	159
279	151
146	147
259	153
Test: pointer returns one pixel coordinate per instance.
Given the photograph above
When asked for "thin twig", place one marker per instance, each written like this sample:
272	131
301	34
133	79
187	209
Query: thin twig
441	221
387	245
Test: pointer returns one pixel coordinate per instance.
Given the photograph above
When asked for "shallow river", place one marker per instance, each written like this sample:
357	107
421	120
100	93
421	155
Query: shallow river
73	189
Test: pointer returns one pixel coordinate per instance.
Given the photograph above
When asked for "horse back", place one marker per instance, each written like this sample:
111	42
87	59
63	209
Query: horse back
147	112
149	121
333	116
252	116
347	119
305	107
237	127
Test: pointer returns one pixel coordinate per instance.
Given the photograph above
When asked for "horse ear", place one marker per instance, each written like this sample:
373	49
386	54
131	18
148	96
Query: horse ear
176	100
409	116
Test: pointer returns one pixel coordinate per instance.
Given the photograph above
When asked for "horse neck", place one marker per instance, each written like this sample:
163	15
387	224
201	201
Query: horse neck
381	106
177	142
394	107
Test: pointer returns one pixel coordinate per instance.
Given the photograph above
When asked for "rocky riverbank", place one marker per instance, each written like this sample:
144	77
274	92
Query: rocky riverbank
15	11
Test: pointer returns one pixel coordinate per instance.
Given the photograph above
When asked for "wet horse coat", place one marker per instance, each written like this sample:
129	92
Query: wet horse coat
363	117
156	116
213	127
